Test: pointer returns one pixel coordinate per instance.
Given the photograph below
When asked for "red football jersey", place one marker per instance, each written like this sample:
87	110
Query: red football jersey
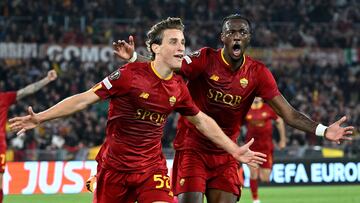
259	127
6	100
140	102
221	93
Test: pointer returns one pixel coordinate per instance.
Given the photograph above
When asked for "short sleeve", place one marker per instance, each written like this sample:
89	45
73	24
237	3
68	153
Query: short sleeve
186	105
7	98
267	87
194	64
116	84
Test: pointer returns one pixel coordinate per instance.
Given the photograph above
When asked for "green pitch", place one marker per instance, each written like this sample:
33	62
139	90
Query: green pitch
301	194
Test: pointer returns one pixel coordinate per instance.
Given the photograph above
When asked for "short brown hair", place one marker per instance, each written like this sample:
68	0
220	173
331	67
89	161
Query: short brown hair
155	34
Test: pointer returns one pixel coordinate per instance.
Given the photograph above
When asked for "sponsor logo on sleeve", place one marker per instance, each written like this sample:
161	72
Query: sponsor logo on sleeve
115	75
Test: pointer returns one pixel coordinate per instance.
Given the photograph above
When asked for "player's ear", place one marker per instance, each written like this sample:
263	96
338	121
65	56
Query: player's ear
155	48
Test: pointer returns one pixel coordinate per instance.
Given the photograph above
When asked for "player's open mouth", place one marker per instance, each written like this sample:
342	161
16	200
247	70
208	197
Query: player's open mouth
179	56
237	50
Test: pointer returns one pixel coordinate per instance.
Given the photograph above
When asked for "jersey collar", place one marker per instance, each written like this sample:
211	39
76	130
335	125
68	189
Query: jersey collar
227	63
157	74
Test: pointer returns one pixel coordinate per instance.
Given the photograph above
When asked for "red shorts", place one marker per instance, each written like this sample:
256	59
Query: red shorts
2	157
114	186
269	160
194	171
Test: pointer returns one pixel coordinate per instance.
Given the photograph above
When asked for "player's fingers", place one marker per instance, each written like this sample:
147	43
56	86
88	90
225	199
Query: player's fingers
131	40
341	120
21	132
30	110
349	132
259	154
13	120
346	138
259	159
249	143
349	128
15	126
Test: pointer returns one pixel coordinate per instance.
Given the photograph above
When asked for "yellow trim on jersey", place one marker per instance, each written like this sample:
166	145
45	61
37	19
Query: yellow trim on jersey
223	58
97	87
157	74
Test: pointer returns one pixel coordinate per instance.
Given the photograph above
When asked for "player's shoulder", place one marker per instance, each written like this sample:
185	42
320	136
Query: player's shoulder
178	79
255	64
136	68
135	65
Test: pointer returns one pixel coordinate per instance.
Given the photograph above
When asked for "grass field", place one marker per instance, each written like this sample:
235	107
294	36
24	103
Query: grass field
309	194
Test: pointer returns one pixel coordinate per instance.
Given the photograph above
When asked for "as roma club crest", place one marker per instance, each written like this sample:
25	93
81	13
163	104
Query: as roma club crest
244	82
115	75
172	100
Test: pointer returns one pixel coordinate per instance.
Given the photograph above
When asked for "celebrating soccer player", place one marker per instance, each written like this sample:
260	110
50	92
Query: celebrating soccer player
142	95
223	84
6	100
259	126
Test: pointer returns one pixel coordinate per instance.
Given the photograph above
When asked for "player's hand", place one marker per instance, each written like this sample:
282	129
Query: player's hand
51	75
245	155
337	133
24	123
91	184
123	49
282	144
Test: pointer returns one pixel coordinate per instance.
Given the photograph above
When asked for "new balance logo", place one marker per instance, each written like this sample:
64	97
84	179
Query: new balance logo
214	77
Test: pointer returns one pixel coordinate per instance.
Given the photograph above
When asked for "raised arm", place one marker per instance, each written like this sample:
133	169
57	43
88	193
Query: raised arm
36	86
208	127
279	122
126	51
299	121
66	107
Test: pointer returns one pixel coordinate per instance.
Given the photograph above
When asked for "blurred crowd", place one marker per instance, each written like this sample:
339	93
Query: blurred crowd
281	23
324	92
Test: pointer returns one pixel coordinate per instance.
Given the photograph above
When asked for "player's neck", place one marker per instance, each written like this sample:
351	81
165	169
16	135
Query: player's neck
161	70
234	64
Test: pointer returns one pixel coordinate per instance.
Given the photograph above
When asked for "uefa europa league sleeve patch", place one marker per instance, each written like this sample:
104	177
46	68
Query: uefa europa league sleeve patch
115	75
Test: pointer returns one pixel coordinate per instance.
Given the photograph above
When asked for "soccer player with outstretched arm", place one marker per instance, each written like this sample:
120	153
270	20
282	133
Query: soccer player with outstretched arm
6	100
223	84
131	166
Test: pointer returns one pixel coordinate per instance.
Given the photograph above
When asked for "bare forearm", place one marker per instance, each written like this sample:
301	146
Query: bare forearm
32	88
281	128
64	108
300	121
291	116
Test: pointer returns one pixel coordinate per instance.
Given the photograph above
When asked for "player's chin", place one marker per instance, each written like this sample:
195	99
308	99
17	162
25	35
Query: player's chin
236	57
177	64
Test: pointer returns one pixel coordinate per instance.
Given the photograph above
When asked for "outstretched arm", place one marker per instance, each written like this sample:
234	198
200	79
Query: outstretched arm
66	107
126	51
208	127
299	121
281	128
36	86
